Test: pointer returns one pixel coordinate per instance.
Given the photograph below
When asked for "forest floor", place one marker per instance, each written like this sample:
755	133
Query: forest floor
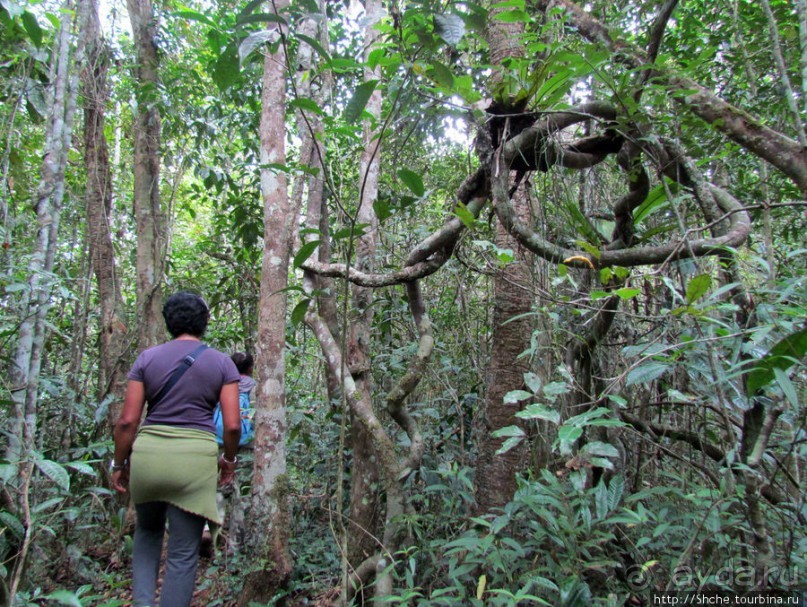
214	584
218	583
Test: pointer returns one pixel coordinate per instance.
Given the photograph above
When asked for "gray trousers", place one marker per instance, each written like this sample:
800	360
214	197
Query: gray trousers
184	537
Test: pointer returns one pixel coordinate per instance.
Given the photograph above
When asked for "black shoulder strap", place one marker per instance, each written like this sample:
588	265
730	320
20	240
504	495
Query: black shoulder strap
178	372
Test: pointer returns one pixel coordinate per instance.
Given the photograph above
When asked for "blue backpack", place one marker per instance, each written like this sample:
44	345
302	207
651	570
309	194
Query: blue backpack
247	431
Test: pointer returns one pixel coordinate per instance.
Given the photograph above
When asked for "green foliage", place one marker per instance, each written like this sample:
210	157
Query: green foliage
570	430
786	353
359	100
559	543
548	546
623	511
62	500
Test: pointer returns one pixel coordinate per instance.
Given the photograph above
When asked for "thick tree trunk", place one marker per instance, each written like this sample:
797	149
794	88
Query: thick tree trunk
151	225
269	522
112	330
512	330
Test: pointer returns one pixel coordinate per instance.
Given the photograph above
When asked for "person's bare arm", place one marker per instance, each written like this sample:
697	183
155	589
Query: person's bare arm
125	432
231	421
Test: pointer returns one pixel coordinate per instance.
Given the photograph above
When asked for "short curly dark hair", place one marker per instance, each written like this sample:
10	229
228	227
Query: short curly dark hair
186	312
243	362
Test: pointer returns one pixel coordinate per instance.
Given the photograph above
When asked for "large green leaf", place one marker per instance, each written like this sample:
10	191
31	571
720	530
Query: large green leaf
298	314
226	68
306	104
31	26
656	200
698	287
12	523
782	356
627	292
254	41
581	223
508	431
465	216
539	411
192	15
553	89
441	75
513	435
514	16
359	101
646	373
82	467
55	472
450	28
260	18
305	252
413	181
316	46
615	490
65	597
600	449
515	396
587	417
575	593
383	208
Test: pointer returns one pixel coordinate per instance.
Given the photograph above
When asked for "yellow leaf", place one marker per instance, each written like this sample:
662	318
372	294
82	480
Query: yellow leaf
480	588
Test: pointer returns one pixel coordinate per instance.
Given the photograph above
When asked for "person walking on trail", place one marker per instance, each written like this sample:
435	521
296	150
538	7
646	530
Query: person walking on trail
245	364
170	463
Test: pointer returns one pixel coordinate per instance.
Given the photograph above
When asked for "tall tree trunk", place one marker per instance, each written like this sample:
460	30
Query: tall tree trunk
151	225
25	369
112	330
366	514
512	330
312	186
269	521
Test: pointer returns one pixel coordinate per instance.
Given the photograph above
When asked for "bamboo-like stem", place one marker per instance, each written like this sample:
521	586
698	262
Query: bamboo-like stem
787	88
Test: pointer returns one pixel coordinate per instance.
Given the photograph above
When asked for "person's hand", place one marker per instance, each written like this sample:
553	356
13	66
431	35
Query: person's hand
226	470
120	480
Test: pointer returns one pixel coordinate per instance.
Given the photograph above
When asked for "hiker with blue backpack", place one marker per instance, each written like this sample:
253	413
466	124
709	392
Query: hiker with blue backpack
245	365
230	493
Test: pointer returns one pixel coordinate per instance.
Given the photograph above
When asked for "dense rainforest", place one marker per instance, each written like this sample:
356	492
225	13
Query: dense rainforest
524	282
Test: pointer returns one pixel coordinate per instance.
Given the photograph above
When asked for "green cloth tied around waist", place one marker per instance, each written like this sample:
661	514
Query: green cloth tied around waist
178	466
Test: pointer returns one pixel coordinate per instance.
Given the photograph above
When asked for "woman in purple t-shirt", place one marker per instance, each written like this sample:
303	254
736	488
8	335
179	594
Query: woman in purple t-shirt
170	463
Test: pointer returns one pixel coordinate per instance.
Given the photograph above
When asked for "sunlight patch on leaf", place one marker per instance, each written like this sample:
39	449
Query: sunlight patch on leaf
254	41
539	411
450	28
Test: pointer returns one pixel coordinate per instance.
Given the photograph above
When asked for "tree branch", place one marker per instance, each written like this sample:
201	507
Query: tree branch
781	151
690	438
407	383
737	232
425	259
